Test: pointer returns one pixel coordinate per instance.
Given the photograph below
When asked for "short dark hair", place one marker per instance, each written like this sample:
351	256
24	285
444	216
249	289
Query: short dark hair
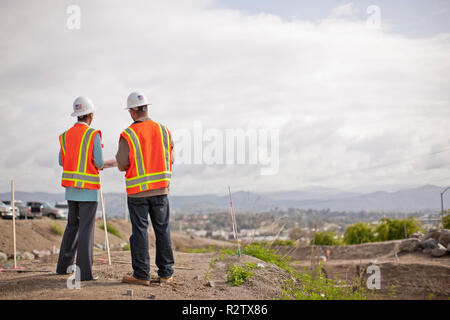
84	117
141	110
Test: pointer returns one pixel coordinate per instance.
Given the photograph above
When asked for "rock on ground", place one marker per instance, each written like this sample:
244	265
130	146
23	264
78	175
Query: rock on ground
27	256
41	254
3	257
122	245
417	235
11	256
444	238
409	245
434	234
429	243
439	251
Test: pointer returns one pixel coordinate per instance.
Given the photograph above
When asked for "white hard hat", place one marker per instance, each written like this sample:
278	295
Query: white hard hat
136	99
82	106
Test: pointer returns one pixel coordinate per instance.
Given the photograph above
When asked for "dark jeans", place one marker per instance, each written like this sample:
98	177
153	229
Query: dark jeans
158	208
78	237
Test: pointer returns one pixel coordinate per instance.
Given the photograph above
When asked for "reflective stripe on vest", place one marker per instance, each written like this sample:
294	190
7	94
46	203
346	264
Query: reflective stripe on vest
148	178
63	142
80	176
143	178
75	176
137	151
165	139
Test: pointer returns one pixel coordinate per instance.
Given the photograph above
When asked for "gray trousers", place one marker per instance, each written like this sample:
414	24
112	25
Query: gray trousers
78	238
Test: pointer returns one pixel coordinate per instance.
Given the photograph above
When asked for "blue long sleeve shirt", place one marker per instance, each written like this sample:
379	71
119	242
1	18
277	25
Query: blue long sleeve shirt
78	194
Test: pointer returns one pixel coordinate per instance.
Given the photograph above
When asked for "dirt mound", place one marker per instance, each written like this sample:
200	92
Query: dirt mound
195	279
403	275
204	275
358	251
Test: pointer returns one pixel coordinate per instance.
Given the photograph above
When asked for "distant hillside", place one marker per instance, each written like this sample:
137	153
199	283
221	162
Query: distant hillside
416	199
406	200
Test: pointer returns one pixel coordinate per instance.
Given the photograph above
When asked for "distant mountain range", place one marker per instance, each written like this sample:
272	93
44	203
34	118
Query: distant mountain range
424	198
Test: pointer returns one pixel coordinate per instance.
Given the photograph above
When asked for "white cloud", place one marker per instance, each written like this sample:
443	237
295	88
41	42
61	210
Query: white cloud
343	96
345	10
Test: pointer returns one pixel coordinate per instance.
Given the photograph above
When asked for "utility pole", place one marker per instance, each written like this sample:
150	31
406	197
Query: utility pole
13	223
442	203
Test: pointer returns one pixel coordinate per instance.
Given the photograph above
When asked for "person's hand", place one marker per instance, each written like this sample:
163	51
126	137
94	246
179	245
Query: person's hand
110	163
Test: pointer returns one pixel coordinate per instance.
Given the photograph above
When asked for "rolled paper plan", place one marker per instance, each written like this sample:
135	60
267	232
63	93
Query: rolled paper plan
110	163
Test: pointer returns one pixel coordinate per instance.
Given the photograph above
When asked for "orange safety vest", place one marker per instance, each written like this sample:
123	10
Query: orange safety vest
77	158
150	156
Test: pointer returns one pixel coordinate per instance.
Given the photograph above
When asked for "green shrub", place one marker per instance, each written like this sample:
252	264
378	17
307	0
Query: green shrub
446	219
224	250
297	233
111	229
288	243
56	228
277	242
359	233
126	247
224	253
261	252
238	275
202	250
260	243
304	286
320	288
326	238
229	251
393	229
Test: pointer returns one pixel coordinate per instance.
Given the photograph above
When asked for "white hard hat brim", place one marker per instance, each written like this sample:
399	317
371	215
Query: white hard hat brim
137	105
79	114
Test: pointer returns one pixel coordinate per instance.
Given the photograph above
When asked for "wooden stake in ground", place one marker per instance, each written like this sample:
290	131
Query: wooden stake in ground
233	221
14	222
104	223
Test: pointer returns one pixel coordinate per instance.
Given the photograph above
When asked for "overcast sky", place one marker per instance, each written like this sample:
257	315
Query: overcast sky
357	108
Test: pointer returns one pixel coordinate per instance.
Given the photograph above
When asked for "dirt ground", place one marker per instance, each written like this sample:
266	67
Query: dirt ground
193	272
193	278
403	276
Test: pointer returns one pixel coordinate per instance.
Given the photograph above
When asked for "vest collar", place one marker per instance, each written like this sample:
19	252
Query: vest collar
81	122
141	119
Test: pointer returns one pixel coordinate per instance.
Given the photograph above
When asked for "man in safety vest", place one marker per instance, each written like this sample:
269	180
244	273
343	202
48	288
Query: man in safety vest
145	153
81	158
